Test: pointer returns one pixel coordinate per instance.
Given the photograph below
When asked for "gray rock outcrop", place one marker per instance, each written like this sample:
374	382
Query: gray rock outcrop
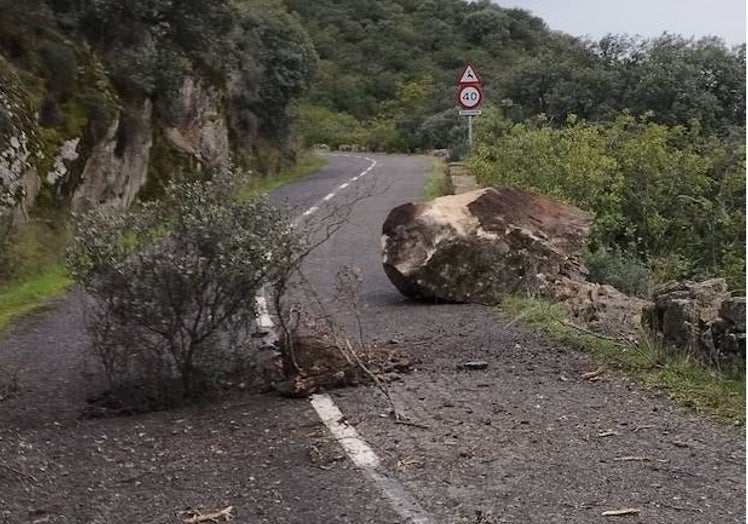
108	167
702	318
118	164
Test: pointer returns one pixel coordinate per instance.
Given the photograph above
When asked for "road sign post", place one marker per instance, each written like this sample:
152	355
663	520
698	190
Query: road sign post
469	96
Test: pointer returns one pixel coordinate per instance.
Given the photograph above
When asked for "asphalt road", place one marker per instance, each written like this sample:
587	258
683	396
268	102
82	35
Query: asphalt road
527	440
524	441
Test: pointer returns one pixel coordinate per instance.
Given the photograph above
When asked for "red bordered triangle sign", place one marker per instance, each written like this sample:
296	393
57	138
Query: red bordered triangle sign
469	75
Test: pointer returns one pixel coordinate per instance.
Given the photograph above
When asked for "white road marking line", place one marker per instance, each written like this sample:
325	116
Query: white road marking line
263	318
367	461
310	211
330	196
357	449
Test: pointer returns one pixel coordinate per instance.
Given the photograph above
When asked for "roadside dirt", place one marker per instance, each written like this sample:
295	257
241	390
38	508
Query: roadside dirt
528	439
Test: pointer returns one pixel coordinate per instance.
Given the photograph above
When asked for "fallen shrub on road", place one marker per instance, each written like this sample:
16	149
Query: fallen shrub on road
173	284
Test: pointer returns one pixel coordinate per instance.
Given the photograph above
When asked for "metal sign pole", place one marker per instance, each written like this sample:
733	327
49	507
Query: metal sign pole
470	131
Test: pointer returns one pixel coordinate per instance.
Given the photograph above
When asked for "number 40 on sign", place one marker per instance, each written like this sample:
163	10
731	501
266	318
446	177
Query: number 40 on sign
470	97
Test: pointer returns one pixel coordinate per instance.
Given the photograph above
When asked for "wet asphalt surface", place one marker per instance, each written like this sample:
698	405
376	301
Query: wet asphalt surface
526	440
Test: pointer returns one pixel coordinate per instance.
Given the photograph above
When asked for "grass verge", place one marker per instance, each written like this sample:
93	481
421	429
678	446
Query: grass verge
684	379
307	165
438	183
17	298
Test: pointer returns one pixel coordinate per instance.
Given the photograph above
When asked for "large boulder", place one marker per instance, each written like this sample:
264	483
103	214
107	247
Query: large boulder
478	246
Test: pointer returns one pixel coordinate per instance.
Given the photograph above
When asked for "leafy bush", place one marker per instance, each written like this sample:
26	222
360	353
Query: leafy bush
384	136
672	195
621	270
173	283
319	125
34	246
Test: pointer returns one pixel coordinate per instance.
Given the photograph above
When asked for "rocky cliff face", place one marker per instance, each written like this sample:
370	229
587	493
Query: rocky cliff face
84	170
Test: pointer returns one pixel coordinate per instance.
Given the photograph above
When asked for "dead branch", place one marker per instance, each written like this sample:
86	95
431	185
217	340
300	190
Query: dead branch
593	374
405	422
318	231
18	472
196	517
620	512
618	340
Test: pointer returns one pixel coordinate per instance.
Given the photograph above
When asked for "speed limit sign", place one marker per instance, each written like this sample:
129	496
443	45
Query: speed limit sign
469	96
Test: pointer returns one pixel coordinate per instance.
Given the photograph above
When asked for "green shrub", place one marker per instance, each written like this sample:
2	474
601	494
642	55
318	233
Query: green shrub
61	66
35	246
438	183
383	135
319	125
173	284
672	195
99	117
621	270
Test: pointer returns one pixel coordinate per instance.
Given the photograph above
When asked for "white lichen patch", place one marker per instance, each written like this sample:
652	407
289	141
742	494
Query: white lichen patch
17	152
68	153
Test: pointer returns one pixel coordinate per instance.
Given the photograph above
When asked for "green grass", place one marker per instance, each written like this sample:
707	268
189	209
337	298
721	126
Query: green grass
18	298
438	183
686	380
307	165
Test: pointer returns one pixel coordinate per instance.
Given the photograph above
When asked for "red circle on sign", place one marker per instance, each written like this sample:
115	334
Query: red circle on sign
469	96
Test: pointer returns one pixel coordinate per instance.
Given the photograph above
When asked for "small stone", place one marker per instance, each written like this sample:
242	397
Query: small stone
14	143
474	364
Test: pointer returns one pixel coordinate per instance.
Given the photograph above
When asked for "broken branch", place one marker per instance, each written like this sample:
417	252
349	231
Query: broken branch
225	514
620	512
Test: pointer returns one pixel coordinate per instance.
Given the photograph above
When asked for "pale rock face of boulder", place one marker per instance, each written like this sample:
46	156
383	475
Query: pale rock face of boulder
477	246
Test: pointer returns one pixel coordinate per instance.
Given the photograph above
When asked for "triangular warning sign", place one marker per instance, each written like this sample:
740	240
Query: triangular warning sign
469	75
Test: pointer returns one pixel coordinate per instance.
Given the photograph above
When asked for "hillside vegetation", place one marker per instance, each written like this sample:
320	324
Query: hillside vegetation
104	101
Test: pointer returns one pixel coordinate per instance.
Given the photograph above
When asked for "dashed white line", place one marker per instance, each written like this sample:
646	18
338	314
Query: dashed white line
355	447
310	211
